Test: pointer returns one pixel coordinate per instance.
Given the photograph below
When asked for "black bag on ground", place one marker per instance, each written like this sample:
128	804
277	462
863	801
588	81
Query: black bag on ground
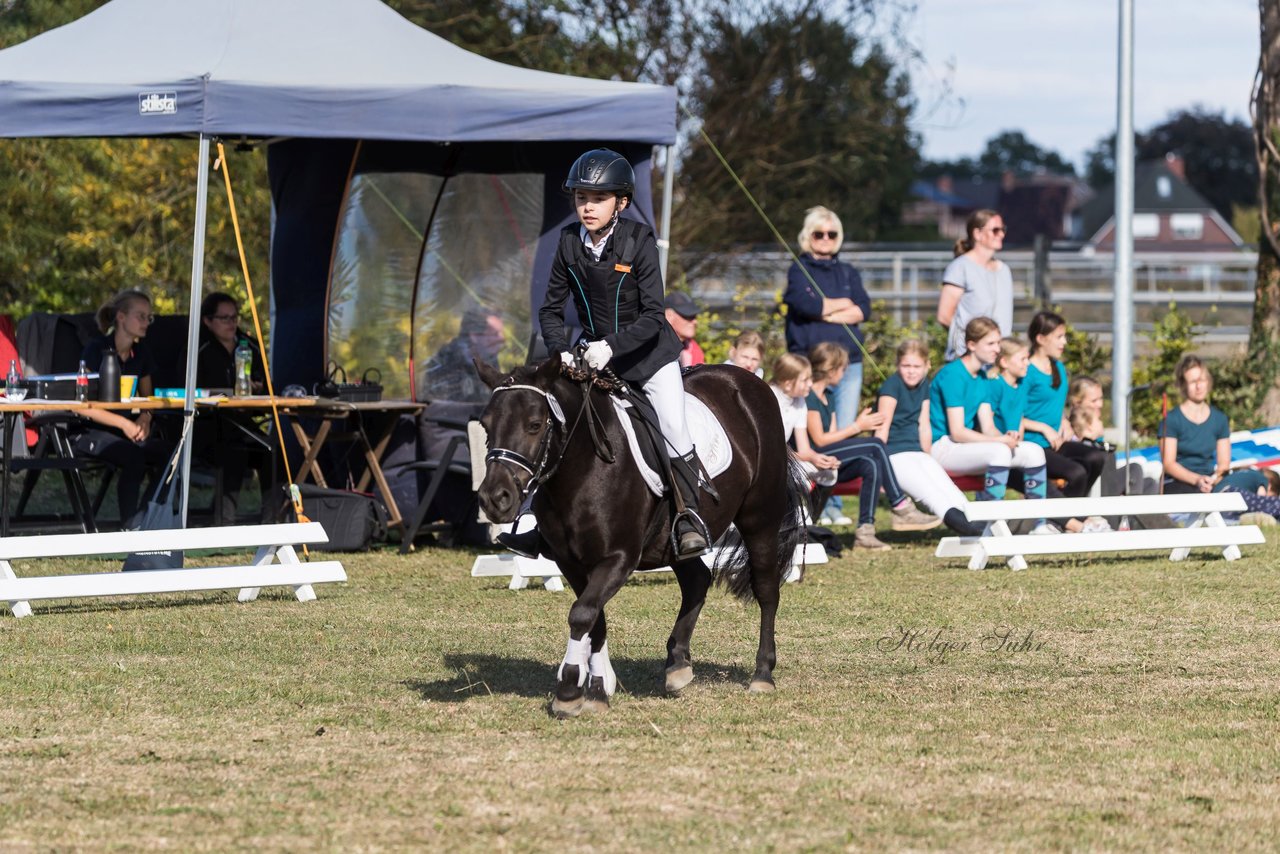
160	514
354	521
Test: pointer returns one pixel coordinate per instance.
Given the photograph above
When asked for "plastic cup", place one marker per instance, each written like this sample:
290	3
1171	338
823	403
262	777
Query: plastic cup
128	385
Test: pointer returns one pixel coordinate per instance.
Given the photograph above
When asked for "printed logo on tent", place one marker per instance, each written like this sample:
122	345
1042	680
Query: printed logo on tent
157	103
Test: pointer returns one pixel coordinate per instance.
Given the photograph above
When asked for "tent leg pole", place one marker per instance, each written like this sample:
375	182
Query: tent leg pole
669	177
193	319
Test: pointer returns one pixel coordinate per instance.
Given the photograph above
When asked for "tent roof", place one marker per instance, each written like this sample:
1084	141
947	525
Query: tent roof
307	68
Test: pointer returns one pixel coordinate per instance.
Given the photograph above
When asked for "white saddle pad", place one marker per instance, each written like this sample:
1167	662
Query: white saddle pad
709	439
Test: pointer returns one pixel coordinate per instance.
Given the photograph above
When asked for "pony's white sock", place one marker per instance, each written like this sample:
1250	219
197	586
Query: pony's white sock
601	667
577	654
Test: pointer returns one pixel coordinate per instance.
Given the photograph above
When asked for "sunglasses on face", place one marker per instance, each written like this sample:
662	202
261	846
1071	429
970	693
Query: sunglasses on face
1000	229
829	235
227	318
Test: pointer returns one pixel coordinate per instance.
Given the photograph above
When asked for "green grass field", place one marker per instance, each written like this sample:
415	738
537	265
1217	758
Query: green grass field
1116	703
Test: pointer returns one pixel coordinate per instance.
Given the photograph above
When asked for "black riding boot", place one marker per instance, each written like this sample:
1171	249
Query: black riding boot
526	543
688	530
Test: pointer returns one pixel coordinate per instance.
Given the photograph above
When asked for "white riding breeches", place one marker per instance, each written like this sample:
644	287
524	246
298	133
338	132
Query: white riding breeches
665	391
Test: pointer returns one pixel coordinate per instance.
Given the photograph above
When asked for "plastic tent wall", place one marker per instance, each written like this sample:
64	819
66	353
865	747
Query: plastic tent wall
415	258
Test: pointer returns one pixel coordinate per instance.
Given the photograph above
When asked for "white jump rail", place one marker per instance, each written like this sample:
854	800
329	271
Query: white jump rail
1206	530
522	570
275	563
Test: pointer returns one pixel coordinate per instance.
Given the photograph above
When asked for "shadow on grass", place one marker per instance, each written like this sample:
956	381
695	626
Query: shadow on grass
525	677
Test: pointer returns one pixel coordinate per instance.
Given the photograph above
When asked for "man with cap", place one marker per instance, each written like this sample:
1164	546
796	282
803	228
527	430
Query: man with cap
682	314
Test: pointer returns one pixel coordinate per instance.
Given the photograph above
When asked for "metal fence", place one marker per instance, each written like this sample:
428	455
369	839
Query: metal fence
1214	288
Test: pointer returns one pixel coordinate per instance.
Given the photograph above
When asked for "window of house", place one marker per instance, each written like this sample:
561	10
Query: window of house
1146	226
1187	226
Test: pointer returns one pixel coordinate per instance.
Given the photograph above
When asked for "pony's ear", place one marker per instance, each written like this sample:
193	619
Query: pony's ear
489	375
548	371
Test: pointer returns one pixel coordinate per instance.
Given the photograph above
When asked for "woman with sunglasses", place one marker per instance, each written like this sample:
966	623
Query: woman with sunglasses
976	284
230	440
825	302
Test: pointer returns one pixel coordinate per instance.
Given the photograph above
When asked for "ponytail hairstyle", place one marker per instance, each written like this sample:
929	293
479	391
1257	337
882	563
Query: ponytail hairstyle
1042	324
121	302
1009	347
827	358
976	222
788	367
977	329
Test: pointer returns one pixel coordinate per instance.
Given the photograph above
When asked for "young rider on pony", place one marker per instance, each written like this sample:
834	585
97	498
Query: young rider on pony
609	267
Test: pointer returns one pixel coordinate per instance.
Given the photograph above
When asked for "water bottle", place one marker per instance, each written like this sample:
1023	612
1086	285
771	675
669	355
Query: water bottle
109	377
244	365
13	382
82	383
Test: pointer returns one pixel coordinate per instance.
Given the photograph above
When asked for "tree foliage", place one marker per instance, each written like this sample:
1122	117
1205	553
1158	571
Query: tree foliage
83	218
1218	154
808	112
1007	151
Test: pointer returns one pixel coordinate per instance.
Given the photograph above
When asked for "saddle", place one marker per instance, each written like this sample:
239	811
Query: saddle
649	451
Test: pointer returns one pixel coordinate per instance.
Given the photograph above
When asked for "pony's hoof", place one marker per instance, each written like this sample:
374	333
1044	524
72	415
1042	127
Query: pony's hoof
564	709
679	679
761	686
596	700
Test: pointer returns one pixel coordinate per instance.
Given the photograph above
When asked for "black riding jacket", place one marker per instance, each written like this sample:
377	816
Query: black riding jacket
618	298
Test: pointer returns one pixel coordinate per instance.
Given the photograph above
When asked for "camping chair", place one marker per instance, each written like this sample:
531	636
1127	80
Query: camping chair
449	462
53	452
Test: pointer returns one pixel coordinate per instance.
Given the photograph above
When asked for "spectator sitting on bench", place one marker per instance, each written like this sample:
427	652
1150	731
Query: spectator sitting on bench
903	401
956	394
792	381
1263	501
1079	463
859	456
126	443
226	440
1195	444
747	352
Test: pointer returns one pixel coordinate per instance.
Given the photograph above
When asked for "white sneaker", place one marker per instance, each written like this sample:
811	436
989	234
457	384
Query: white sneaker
841	520
1095	525
1045	528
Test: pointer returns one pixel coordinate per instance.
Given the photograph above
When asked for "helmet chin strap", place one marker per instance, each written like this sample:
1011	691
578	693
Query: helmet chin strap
600	232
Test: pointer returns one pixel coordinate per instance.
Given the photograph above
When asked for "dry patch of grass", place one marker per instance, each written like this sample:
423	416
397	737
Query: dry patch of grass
1116	703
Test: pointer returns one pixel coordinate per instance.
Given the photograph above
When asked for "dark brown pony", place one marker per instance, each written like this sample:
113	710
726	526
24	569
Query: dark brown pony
600	522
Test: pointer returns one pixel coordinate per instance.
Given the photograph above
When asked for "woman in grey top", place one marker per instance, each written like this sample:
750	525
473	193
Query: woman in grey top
975	284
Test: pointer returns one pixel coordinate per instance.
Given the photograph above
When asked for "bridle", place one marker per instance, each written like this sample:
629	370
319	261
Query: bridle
541	468
538	468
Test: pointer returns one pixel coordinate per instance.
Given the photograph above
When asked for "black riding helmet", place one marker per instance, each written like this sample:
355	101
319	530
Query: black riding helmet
602	169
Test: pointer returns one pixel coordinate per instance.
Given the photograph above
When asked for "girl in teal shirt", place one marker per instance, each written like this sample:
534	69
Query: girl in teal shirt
1077	463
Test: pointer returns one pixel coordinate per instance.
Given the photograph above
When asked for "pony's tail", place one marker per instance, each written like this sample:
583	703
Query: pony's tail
732	569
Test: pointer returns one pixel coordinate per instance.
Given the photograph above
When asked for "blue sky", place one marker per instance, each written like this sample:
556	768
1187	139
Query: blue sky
1048	67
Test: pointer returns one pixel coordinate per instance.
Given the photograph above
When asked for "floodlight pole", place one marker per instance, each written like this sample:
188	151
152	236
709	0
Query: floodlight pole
664	238
1122	319
193	320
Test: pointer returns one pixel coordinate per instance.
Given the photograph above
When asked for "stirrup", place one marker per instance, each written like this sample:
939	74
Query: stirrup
696	527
